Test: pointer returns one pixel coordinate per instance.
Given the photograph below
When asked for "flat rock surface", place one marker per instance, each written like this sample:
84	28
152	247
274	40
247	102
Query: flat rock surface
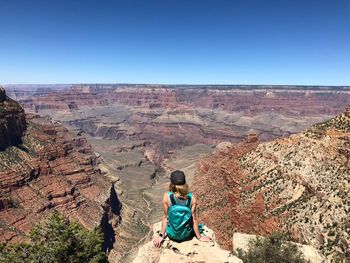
187	251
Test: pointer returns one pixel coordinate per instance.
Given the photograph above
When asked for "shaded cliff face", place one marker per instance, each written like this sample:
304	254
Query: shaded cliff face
12	121
298	184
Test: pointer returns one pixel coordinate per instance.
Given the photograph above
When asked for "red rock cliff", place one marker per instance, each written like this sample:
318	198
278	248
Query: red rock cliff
52	170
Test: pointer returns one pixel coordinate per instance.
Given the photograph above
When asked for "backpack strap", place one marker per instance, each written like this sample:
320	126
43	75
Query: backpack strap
189	201
172	199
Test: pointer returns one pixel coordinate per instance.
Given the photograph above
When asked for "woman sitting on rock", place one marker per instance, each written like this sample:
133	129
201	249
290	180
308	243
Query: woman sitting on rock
179	219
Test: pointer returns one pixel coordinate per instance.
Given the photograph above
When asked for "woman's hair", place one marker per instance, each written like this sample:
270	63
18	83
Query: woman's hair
179	190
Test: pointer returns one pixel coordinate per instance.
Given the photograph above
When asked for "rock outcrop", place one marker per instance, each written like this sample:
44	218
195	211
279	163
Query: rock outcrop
12	121
187	251
298	184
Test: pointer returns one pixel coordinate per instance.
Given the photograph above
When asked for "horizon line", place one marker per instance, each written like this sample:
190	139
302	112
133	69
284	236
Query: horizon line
167	84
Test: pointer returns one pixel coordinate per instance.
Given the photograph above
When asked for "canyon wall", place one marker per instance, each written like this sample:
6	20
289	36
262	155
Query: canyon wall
51	169
298	184
289	100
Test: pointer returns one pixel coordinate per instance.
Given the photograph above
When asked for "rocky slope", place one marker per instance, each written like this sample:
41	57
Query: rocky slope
299	184
12	121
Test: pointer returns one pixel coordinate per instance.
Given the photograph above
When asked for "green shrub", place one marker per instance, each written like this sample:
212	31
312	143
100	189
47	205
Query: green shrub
272	249
57	240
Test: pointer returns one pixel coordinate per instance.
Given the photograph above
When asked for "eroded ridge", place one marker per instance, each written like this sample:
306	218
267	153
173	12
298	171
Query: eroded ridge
299	184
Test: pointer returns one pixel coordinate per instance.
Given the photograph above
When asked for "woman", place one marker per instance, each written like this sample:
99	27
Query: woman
179	206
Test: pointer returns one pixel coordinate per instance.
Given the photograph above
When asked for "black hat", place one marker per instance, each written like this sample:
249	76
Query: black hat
178	177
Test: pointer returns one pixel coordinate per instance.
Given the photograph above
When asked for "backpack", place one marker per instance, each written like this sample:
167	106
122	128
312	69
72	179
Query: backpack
180	222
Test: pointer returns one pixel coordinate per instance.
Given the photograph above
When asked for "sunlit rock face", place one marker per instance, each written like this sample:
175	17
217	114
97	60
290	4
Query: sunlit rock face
299	184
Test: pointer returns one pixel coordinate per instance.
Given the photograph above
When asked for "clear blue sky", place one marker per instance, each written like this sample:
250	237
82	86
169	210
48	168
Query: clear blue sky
175	41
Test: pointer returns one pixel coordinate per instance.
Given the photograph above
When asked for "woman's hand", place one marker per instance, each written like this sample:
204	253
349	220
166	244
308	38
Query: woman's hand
204	239
157	241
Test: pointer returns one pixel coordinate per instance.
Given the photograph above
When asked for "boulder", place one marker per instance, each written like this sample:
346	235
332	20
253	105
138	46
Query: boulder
223	147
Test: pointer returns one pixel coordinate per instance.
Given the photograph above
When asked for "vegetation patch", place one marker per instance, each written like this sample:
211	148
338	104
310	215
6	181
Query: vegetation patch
57	240
272	249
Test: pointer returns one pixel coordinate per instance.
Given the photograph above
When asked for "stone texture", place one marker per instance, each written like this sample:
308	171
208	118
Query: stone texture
187	251
298	184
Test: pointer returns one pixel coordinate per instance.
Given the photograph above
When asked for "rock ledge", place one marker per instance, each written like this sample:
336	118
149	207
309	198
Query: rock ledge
188	251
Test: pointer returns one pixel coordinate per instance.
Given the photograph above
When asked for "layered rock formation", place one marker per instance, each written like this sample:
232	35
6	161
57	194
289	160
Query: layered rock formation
298	184
289	100
12	121
52	169
170	117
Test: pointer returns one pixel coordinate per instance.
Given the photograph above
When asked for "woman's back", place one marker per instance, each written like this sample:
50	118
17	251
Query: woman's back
179	200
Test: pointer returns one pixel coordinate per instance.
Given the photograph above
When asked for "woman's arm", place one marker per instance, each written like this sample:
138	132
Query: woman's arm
158	240
195	222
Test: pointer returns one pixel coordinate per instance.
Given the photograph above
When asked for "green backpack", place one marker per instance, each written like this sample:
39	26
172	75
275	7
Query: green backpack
180	222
